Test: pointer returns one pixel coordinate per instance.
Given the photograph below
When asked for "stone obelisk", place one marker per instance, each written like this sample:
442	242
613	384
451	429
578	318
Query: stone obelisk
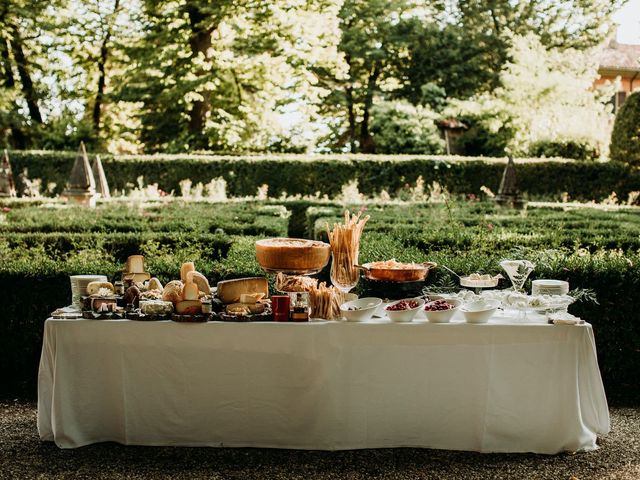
508	193
102	187
81	188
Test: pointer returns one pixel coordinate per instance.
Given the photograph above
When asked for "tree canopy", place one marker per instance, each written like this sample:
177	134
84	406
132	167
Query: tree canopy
249	75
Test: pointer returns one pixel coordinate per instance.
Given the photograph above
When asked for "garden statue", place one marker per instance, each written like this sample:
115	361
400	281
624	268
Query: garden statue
7	187
102	187
508	193
81	187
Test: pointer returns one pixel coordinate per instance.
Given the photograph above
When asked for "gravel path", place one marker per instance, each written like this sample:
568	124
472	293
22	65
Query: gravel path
23	456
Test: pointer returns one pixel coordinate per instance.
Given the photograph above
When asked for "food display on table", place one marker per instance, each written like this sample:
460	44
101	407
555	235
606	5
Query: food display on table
393	271
344	240
292	255
190	297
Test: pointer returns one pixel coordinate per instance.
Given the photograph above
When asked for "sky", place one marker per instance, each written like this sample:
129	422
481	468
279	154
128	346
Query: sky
628	19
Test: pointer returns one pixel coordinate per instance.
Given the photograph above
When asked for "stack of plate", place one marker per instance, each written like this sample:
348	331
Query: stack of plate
549	287
79	285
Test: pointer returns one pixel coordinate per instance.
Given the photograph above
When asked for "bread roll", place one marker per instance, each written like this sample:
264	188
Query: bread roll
186	268
200	280
172	291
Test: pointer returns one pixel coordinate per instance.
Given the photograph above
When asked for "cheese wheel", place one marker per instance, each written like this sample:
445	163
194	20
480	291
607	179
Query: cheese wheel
229	291
172	291
94	287
190	291
200	280
292	254
189	307
186	268
135	264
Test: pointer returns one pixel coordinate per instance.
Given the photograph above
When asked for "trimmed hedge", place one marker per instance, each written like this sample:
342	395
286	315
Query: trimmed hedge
481	226
244	218
325	175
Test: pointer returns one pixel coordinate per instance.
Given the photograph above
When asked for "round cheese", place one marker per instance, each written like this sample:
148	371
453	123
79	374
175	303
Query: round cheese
292	255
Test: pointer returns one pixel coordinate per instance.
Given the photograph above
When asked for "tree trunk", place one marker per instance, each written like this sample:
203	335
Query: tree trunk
19	140
350	108
200	43
366	141
25	78
102	79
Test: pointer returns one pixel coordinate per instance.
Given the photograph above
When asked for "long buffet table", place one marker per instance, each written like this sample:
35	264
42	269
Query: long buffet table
498	387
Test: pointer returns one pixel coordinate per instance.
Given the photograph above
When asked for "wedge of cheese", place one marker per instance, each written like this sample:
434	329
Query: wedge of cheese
186	268
135	264
229	291
200	280
251	298
190	291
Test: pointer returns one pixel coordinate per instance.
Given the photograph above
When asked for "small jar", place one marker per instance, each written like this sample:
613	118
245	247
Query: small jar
300	311
119	287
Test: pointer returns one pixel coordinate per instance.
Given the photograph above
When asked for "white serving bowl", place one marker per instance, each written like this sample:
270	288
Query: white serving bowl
404	316
365	308
480	311
443	316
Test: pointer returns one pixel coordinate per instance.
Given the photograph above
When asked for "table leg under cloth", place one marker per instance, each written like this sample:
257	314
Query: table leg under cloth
325	385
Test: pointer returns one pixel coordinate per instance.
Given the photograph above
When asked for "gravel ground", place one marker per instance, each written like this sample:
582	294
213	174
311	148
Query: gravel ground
23	456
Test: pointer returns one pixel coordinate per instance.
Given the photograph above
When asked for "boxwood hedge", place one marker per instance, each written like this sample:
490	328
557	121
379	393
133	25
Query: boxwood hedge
325	175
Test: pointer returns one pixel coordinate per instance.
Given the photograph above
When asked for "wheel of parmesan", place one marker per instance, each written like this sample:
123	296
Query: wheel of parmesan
292	255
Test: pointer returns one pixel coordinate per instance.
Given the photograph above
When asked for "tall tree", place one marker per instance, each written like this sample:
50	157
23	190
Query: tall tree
466	54
212	75
19	29
374	40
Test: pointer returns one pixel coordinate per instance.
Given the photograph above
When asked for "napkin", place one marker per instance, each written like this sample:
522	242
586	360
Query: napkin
564	318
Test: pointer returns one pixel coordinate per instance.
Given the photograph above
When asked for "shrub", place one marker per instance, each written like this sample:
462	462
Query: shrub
625	138
399	127
575	149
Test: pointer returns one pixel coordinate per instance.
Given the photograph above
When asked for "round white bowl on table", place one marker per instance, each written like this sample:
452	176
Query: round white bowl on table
479	312
443	316
404	316
360	310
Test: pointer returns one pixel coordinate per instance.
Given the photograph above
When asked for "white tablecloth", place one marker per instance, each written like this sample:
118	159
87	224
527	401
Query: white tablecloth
329	385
